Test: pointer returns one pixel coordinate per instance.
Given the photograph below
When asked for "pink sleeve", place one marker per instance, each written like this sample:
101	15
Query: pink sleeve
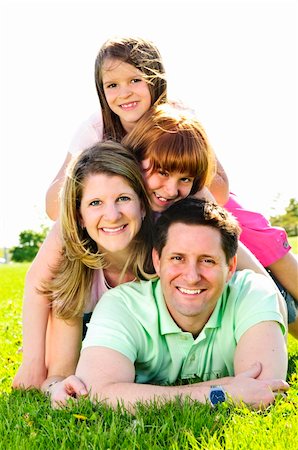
266	242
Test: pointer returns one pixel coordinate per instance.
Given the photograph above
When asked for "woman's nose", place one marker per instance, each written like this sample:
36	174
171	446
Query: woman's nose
111	212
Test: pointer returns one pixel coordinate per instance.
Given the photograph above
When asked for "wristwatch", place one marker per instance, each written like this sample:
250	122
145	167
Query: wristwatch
217	395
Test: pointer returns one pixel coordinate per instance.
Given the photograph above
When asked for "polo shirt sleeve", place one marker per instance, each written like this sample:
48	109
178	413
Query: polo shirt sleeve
114	326
256	302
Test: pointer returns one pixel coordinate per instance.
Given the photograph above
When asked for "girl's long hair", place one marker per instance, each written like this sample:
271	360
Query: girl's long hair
141	54
70	287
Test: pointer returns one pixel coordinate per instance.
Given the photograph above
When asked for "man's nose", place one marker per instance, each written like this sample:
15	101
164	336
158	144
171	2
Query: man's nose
192	273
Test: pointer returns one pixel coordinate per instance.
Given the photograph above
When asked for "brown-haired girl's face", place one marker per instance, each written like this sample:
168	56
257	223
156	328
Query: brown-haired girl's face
126	90
165	188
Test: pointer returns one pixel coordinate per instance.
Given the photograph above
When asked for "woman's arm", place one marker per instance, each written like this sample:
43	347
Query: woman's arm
36	308
63	351
52	195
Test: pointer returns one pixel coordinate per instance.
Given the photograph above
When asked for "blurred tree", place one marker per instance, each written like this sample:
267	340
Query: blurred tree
29	241
288	220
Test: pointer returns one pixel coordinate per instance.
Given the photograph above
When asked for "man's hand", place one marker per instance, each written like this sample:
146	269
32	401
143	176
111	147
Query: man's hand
255	392
62	391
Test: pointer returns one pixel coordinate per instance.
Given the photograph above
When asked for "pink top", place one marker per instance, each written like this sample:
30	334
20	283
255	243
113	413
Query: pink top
266	242
89	133
99	287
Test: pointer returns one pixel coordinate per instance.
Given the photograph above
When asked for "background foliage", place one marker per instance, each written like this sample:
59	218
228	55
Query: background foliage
288	220
29	243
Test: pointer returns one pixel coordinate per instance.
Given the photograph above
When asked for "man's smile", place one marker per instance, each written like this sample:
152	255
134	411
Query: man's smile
190	291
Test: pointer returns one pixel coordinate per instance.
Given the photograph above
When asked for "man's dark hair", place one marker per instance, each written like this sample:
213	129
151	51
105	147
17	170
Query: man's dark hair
192	211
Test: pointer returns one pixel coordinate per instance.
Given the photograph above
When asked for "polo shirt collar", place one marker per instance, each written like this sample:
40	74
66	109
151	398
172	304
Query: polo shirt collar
168	326
166	323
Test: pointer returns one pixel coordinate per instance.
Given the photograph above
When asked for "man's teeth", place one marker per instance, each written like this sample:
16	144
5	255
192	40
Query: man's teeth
190	291
113	230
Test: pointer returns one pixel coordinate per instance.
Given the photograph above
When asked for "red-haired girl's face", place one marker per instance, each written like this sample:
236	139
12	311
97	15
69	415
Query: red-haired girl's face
165	188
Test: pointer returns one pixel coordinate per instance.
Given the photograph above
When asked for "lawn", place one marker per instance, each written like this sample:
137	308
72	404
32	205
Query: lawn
294	244
28	422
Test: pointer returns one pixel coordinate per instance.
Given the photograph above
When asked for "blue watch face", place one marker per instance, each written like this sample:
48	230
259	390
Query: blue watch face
217	395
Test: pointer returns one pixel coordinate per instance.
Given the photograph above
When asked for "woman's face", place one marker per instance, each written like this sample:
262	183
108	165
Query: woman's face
164	188
110	211
126	91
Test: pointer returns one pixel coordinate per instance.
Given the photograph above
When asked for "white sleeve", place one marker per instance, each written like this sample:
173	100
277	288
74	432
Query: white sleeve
89	133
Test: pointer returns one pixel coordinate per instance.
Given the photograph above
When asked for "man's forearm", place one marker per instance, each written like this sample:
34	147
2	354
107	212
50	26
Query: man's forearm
243	387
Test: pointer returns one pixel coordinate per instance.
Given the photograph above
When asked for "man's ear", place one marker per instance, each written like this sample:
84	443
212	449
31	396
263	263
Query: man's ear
156	261
232	267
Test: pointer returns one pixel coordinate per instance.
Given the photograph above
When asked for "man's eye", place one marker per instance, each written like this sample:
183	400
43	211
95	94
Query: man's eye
208	261
177	258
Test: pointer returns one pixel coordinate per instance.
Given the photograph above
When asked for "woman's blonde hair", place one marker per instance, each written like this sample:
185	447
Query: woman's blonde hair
72	278
143	55
174	140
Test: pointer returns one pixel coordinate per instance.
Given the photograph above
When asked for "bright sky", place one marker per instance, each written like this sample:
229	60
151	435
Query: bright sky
234	62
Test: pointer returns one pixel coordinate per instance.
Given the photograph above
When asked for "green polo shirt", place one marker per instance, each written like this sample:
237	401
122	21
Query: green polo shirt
133	319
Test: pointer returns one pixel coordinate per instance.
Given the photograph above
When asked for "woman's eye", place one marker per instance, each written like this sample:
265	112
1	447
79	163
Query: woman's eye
95	203
123	198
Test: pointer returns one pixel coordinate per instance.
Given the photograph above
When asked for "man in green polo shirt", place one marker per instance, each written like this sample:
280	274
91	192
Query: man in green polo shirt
200	320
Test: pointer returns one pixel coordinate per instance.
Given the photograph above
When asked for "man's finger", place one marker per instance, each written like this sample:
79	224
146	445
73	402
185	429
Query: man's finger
74	385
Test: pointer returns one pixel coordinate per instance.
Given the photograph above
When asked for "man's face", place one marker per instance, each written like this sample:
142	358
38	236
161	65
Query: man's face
193	272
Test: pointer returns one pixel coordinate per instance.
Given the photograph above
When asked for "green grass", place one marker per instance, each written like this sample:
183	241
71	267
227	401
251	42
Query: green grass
28	422
294	244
